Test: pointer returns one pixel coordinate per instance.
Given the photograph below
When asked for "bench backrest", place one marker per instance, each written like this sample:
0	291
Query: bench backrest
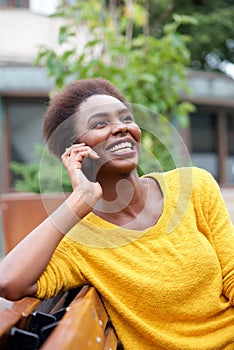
73	320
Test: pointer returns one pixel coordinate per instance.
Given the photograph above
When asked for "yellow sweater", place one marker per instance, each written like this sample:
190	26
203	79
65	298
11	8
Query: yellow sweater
169	287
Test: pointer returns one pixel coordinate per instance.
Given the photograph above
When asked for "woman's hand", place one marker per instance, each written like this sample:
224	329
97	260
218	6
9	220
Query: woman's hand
72	160
43	240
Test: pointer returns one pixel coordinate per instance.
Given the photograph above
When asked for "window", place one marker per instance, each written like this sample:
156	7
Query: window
230	149
25	126
14	3
230	130
212	142
204	137
24	117
204	142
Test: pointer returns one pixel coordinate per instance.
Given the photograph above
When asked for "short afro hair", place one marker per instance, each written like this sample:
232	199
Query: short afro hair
58	128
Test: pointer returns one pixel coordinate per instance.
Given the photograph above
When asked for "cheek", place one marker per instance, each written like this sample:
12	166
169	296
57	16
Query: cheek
136	132
92	139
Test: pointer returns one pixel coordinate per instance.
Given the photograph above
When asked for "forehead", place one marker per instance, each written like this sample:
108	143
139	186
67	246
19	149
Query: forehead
98	104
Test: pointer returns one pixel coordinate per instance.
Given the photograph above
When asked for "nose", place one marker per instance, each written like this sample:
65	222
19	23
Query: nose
120	128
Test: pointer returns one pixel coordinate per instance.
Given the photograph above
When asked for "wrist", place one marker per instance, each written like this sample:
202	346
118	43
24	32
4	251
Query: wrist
70	212
79	204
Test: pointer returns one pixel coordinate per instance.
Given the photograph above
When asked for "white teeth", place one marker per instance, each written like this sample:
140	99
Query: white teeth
121	147
123	150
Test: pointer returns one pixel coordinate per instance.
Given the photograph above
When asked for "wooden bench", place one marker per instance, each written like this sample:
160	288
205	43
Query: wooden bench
75	320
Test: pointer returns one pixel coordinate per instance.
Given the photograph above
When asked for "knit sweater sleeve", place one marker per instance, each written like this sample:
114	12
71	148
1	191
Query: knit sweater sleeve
62	272
215	223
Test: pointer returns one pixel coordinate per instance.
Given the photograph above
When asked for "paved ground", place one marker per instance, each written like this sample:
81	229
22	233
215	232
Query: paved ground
228	195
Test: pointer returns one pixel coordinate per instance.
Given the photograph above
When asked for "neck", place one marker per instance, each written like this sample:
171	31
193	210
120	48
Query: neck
122	194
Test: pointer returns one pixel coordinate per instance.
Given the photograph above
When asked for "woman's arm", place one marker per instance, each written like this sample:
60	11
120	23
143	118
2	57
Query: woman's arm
214	221
21	268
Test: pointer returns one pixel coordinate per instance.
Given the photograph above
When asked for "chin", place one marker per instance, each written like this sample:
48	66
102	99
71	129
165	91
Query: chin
122	166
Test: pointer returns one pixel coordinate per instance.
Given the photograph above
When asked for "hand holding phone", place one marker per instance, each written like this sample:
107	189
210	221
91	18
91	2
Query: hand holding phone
80	161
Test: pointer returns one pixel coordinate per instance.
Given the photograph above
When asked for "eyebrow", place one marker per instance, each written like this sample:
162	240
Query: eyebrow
105	114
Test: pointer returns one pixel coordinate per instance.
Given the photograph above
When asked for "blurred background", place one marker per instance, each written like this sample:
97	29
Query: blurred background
175	58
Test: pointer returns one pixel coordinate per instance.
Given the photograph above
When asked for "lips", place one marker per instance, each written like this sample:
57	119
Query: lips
121	147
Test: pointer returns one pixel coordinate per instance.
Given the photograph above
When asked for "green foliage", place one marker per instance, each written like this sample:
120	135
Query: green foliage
27	176
149	71
213	35
45	175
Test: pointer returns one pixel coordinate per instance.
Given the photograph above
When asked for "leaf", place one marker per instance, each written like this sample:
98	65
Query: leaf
65	32
184	19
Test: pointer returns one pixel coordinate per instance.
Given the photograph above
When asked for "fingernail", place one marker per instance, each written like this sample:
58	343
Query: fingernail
95	154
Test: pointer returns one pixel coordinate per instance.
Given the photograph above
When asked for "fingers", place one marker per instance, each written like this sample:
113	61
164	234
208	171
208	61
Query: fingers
76	153
82	150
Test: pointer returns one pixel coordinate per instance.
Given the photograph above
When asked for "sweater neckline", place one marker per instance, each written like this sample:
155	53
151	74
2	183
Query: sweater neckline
104	224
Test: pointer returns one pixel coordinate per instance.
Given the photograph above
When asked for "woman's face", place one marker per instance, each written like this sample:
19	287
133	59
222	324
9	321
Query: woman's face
107	126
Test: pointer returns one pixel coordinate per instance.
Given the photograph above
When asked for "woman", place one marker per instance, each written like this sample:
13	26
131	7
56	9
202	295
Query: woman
158	248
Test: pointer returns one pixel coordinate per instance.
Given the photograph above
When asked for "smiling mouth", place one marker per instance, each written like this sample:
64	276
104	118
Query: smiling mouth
122	147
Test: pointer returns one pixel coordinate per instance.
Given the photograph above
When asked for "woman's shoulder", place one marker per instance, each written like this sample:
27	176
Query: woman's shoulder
188	173
186	179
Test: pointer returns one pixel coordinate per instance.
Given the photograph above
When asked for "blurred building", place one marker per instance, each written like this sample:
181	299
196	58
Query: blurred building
24	88
24	91
210	138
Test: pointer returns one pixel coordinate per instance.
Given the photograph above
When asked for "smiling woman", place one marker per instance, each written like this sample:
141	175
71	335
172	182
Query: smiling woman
155	247
112	133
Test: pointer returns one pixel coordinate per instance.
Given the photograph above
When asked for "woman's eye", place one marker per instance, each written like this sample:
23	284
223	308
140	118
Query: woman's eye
99	124
127	119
